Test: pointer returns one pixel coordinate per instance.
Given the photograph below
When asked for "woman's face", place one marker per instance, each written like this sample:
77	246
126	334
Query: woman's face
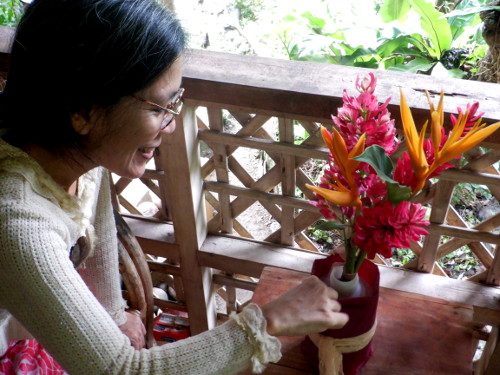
135	127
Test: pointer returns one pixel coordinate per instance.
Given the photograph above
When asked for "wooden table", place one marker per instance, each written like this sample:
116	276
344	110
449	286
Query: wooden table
416	335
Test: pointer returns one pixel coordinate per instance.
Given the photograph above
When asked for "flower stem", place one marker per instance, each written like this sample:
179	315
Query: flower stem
361	256
350	260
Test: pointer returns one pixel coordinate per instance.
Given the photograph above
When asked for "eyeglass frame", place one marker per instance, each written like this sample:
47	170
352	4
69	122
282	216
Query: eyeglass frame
177	102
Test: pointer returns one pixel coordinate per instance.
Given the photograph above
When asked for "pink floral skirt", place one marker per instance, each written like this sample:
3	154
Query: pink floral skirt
28	357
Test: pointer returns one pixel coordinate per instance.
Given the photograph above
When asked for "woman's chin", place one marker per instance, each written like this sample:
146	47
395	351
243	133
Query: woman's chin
136	172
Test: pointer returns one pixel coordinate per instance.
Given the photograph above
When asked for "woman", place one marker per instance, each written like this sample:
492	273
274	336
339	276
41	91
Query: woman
93	86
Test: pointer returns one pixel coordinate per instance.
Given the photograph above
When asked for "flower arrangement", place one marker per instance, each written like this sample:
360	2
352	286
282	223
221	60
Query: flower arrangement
368	197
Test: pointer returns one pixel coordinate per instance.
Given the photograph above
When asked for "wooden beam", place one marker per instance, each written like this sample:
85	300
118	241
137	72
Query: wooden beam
155	238
307	152
313	91
247	257
250	257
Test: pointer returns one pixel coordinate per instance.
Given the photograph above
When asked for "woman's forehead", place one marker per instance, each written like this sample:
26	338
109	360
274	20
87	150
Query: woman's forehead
166	85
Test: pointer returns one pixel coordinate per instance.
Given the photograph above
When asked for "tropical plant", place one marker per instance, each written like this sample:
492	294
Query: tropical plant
412	36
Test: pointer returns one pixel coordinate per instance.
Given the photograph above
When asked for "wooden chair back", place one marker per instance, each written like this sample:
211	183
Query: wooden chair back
136	277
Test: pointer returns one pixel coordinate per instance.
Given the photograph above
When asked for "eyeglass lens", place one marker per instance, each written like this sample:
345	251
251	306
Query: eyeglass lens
167	120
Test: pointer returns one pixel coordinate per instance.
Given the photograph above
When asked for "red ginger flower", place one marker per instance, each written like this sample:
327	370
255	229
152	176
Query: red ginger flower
472	118
378	229
363	115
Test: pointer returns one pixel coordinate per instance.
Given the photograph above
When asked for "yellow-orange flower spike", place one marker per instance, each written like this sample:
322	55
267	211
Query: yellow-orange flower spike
340	194
456	144
414	141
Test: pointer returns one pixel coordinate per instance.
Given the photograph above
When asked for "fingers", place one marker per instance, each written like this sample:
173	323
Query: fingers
138	343
341	320
134	330
309	307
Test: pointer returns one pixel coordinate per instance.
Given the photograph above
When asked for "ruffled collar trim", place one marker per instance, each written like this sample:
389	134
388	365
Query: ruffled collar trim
78	208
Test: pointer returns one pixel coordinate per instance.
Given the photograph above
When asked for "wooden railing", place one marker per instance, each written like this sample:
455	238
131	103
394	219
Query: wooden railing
198	243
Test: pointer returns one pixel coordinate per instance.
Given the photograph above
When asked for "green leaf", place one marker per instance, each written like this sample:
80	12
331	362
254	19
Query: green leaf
397	193
459	23
376	157
393	10
465	12
435	25
328	225
389	46
456	73
315	23
414	66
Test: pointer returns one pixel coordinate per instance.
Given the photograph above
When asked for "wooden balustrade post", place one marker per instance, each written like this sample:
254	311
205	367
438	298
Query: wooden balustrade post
221	170
440	203
493	276
179	158
288	183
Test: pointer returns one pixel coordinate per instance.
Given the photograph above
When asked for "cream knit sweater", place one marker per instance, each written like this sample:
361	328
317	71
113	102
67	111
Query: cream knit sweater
75	313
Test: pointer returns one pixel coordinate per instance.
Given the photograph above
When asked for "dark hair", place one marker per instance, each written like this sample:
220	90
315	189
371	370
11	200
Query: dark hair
70	56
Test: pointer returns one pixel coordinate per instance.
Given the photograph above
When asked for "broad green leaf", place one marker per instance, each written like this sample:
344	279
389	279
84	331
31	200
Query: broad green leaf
397	193
371	63
376	157
394	10
328	225
389	46
414	66
460	22
400	45
435	25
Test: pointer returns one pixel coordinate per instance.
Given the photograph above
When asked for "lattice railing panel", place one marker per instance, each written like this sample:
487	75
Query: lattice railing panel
233	189
280	190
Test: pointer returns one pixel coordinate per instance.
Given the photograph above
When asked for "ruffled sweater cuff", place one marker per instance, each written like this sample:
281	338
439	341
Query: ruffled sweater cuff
267	348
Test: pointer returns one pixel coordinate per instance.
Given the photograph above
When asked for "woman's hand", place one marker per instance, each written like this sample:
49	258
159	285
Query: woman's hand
309	307
134	330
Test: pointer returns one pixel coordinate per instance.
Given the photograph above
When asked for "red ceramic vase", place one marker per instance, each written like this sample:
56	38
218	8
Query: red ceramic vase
362	313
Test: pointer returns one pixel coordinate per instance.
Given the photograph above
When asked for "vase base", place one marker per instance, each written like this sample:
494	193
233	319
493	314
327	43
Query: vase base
352	363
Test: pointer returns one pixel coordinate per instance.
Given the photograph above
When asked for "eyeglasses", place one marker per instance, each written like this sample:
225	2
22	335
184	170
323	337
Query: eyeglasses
173	108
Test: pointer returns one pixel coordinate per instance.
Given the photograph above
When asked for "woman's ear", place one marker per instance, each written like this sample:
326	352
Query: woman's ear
81	123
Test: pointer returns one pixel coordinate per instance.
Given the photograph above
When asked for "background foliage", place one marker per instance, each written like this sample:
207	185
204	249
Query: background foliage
415	36
10	11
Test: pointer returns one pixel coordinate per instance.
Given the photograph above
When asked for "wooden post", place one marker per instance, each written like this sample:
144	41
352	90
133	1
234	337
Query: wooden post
493	366
438	214
221	169
287	183
493	276
179	158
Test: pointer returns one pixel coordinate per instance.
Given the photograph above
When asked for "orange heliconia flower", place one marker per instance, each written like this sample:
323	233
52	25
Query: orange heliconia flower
459	139
339	193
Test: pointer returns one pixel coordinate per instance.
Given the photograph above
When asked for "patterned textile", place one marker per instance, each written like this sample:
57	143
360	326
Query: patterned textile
28	357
